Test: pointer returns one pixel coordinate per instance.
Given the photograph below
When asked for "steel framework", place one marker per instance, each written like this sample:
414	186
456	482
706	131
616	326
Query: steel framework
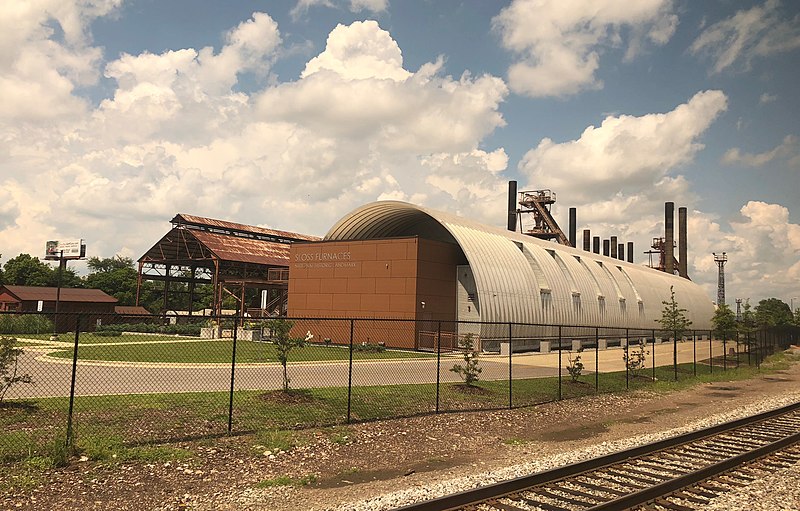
229	256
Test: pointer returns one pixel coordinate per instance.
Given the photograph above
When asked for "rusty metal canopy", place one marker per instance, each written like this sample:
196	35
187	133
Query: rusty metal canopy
194	240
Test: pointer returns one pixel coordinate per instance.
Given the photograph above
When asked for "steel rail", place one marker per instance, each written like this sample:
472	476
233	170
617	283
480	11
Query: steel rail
503	488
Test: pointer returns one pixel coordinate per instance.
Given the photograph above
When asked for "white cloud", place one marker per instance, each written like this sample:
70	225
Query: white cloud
369	5
789	150
625	153
763	252
38	73
761	31
301	8
177	136
767	98
559	42
358	51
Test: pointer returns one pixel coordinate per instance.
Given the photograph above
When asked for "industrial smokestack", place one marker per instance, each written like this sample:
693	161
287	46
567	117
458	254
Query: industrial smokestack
596	244
606	247
512	206
683	262
630	251
613	247
573	213
621	251
587	240
669	237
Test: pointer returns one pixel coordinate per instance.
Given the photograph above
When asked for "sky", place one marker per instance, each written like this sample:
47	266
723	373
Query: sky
288	114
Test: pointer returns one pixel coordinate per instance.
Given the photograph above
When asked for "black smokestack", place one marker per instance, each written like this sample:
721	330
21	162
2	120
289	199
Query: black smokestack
606	247
587	240
669	237
621	251
683	262
630	251
512	206
596	244
573	214
613	243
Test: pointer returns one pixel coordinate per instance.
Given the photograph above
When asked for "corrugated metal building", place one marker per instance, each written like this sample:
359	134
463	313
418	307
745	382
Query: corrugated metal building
503	276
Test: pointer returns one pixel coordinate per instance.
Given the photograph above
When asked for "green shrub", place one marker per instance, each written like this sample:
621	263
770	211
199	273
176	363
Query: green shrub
25	324
367	347
192	329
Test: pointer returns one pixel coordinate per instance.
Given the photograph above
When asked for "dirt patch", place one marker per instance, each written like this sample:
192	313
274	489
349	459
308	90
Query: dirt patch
471	390
572	434
293	397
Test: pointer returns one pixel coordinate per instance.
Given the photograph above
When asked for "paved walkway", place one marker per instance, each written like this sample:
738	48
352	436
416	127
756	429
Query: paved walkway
52	376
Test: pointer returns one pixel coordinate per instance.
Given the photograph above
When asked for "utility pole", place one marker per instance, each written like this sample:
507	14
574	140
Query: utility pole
738	309
61	264
720	259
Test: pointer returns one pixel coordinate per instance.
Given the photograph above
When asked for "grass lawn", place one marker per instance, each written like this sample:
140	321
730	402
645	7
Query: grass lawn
219	352
104	423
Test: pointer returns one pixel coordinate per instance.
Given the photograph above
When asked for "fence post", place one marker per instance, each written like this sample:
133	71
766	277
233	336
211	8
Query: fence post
510	350
627	342
233	371
694	352
596	359
559	362
653	332
350	373
439	361
724	352
70	438
710	353
675	354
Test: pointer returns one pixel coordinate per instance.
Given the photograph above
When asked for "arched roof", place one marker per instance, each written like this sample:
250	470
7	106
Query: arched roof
523	279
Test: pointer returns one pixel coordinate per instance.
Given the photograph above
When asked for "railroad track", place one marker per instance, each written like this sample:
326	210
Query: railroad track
676	474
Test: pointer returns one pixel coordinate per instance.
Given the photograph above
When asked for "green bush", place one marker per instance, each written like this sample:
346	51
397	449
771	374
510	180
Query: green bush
108	333
367	347
148	328
25	324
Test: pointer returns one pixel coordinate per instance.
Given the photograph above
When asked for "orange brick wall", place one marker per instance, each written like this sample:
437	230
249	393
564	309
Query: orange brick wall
384	278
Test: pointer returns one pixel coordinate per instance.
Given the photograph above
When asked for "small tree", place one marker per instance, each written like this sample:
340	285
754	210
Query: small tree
469	371
284	343
575	367
724	322
9	360
635	359
747	325
674	320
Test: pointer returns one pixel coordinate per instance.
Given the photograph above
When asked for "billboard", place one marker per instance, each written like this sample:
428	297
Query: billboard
65	249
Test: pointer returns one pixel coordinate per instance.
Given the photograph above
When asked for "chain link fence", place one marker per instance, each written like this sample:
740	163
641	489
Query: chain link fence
151	379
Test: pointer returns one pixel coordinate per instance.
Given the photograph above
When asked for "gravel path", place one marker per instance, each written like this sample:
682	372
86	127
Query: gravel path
440	488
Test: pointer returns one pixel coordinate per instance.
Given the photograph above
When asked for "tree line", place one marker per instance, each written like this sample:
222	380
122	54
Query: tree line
116	276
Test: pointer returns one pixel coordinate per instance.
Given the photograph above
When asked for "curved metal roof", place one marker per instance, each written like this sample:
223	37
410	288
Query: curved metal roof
523	279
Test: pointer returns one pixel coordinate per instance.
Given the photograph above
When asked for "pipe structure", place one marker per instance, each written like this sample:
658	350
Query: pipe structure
613	247
606	247
587	240
512	205
630	251
596	244
669	237
573	216
683	261
621	251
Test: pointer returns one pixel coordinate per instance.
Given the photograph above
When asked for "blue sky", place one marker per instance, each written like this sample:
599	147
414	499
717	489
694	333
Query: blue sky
289	114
